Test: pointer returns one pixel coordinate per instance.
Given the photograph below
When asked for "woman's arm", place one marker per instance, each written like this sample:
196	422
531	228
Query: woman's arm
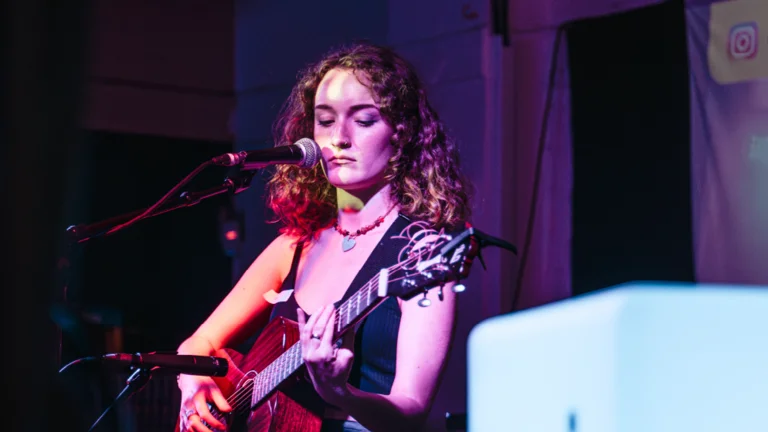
424	340
230	321
235	316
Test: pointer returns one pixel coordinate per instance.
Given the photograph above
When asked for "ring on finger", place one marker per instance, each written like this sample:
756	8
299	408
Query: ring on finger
188	413
314	336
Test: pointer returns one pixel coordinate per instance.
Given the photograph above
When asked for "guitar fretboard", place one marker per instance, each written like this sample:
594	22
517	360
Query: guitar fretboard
347	315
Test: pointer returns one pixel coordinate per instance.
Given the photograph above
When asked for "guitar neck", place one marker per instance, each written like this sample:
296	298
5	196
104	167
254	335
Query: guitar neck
349	314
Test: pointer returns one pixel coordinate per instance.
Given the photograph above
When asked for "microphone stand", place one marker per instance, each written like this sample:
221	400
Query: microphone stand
232	185
138	379
77	234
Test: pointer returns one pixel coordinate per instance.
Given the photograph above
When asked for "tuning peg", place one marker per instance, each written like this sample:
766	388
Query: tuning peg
459	287
425	302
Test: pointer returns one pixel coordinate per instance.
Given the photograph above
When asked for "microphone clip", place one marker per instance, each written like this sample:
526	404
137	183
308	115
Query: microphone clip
230	159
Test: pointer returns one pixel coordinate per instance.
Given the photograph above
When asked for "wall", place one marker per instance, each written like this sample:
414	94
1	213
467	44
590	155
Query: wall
160	68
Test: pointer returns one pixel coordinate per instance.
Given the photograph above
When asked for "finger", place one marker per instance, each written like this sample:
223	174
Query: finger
201	406
330	326
191	423
309	327
196	424
344	356
303	334
334	353
187	405
322	320
302	319
220	401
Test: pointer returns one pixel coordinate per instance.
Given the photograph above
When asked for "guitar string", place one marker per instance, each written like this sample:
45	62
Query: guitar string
237	399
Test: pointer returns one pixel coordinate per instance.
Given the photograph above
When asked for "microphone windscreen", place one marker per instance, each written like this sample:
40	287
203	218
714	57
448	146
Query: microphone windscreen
311	152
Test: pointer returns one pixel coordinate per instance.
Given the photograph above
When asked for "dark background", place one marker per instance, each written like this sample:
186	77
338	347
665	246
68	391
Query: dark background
165	274
631	148
148	286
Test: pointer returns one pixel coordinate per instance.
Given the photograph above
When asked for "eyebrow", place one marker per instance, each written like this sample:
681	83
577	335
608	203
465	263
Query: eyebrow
352	109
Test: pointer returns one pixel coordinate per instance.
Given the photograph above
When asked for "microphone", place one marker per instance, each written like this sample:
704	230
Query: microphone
183	364
304	153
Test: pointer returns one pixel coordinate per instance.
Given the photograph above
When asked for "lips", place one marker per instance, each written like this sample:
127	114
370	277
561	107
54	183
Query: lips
341	159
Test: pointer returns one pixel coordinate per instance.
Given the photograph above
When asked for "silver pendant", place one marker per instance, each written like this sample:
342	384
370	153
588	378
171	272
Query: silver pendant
348	243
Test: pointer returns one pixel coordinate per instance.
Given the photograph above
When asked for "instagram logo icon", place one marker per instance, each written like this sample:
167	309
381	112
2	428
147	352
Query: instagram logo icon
742	42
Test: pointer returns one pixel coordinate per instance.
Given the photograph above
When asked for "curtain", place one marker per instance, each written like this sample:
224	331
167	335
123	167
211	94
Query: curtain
729	140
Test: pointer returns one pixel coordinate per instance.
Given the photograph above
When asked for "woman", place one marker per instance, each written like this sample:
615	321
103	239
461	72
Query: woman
387	164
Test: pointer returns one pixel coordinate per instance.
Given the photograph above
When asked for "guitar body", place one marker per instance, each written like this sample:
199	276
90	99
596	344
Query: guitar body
294	407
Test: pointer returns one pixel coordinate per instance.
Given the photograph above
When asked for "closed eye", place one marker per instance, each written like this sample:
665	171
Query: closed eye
325	123
367	123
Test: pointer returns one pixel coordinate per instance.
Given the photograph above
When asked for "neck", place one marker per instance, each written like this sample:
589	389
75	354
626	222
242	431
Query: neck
358	210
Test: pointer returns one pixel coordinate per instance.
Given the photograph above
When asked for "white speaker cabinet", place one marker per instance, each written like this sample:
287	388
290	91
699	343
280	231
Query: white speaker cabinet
638	357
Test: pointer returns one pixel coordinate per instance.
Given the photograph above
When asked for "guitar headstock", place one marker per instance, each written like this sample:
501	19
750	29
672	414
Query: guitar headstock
447	258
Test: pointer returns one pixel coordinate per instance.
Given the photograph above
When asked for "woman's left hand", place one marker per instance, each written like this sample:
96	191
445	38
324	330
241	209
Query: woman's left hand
328	365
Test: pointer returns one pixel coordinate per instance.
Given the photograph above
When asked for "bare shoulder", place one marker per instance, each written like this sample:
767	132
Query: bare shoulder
282	245
272	263
280	248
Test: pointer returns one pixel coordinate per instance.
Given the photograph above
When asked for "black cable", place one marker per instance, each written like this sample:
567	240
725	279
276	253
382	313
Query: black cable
537	173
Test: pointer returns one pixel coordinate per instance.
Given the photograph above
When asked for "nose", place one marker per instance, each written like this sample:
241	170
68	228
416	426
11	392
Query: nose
340	138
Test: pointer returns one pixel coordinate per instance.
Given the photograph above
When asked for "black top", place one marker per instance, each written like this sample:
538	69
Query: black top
373	369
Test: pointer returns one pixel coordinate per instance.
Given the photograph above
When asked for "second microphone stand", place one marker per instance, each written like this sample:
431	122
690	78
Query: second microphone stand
135	382
235	183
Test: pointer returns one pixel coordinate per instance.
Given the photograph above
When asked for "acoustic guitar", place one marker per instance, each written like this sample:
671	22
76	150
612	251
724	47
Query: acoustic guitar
267	388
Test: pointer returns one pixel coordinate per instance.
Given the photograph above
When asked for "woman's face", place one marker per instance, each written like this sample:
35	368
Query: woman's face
352	134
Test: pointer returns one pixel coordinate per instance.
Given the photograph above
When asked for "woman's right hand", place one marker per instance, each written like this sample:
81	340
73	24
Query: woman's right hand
196	393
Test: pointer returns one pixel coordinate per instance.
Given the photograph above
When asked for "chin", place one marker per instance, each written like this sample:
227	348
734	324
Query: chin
351	184
346	184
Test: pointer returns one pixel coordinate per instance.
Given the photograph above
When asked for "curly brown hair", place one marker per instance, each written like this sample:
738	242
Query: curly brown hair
423	172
